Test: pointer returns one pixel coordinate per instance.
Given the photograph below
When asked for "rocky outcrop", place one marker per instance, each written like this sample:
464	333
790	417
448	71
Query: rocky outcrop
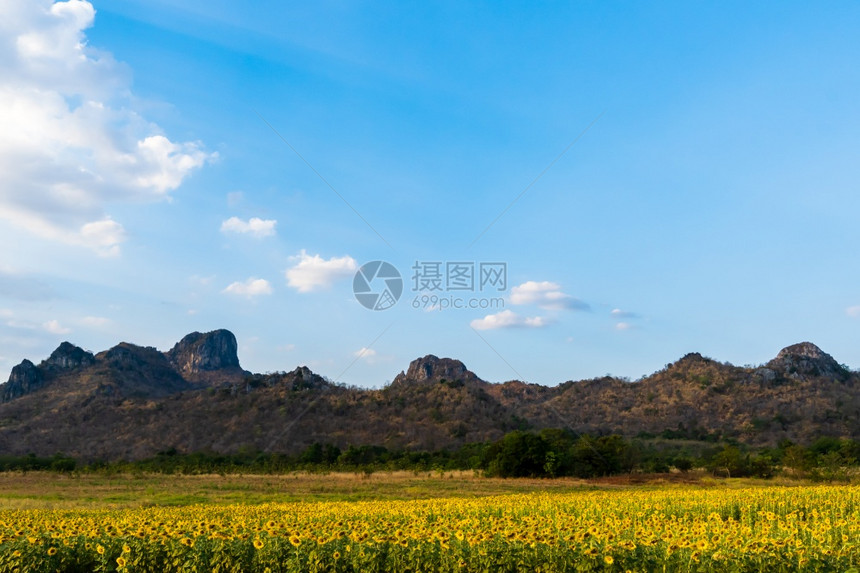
131	370
25	378
205	352
125	356
305	375
138	371
431	368
68	356
806	360
302	378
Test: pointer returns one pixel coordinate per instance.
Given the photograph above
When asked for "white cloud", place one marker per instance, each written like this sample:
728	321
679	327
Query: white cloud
54	327
546	295
366	354
71	142
508	319
104	237
254	226
311	273
623	326
249	288
853	311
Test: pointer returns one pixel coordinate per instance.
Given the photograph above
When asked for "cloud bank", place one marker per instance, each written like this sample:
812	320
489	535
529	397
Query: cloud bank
509	319
312	272
249	288
546	295
254	226
71	143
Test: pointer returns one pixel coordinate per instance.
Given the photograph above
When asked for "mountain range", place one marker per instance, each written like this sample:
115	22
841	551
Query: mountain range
130	402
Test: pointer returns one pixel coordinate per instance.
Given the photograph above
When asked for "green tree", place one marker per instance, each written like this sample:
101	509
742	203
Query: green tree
796	458
730	462
518	454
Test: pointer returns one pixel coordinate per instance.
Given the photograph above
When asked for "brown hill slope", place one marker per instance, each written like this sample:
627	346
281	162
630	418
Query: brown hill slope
131	402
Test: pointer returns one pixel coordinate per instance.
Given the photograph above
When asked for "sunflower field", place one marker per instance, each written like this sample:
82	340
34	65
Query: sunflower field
668	529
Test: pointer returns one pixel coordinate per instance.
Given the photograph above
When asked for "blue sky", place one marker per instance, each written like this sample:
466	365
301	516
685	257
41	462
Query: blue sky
711	205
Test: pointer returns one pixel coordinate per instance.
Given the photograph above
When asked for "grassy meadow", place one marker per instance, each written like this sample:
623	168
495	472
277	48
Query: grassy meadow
49	490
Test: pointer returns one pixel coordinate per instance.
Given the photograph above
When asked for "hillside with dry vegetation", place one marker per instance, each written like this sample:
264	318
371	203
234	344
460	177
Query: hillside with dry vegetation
130	402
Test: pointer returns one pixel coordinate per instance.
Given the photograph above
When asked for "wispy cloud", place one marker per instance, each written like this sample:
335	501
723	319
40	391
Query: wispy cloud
620	314
250	288
366	354
54	327
312	272
853	311
547	295
254	226
509	319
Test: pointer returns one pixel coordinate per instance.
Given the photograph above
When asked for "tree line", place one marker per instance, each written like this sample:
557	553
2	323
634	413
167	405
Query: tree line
545	454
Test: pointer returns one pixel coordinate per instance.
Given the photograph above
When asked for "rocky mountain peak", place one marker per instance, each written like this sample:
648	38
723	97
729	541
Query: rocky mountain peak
431	368
25	378
803	349
304	373
126	355
304	378
68	356
203	352
805	359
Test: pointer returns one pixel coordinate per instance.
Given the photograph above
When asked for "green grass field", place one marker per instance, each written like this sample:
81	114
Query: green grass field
46	490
